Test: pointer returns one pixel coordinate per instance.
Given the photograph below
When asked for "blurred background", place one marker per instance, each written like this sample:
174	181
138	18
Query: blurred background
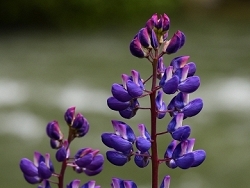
56	54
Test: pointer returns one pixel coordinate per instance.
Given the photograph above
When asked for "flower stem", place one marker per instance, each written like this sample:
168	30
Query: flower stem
153	110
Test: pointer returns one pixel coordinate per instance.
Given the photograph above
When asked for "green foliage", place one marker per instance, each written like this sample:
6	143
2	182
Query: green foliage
79	13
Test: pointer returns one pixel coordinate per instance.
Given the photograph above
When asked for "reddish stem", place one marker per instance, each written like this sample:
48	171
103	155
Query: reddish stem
153	110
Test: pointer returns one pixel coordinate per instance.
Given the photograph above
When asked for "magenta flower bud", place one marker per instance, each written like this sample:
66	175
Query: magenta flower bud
190	85
144	38
116	158
78	121
137	49
53	130
175	43
120	93
117	105
165	23
81	125
165	182
141	161
154	40
69	115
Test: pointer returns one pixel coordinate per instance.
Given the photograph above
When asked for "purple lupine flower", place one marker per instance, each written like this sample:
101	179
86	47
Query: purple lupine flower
165	182
63	152
177	130
80	125
141	159
53	131
169	82
119	183
161	106
76	184
70	115
89	161
123	138
160	68
37	171
181	103
117	105
56	144
117	158
183	155
175	43
137	49
143	142
130	112
44	184
144	38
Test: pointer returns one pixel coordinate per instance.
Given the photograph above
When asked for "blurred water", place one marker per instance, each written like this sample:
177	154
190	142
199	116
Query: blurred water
42	74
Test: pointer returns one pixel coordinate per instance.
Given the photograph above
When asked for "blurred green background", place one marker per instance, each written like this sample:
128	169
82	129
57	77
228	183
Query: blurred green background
56	54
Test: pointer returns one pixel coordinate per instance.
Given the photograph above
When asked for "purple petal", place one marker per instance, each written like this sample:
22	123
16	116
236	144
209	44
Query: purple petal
141	161
171	86
96	163
142	144
121	144
144	38
170	149
93	172
189	85
117	105
117	183
154	41
69	115
84	160
116	158
61	154
134	90
199	157
74	184
192	69
137	49
32	179
185	161
120	93
53	130
165	182
179	62
129	184
28	168
193	107
43	171
182	133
